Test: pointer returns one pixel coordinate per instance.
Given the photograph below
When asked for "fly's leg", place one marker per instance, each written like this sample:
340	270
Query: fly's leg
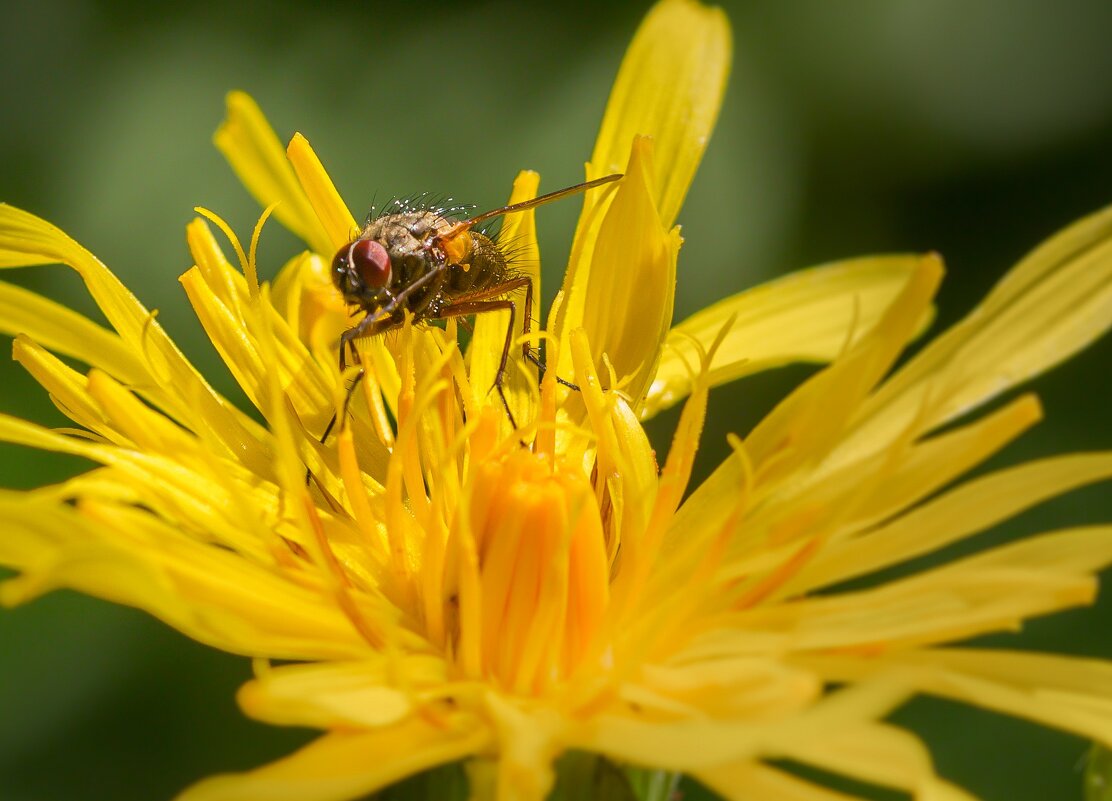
333	419
479	307
347	341
368	326
542	367
527	322
526	325
526	350
346	405
378	322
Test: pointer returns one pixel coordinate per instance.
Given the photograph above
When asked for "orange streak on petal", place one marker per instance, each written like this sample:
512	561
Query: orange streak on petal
373	637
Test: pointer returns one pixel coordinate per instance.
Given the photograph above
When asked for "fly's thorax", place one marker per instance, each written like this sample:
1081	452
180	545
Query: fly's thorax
409	240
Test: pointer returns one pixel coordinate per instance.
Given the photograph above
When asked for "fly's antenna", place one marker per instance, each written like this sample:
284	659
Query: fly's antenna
525	205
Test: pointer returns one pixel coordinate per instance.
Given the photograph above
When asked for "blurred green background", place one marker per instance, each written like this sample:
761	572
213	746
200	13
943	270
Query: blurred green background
975	129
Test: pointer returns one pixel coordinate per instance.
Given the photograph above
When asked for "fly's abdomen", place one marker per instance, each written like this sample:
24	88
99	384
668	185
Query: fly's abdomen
486	267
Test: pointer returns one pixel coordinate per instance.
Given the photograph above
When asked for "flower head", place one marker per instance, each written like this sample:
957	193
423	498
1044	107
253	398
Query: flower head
448	586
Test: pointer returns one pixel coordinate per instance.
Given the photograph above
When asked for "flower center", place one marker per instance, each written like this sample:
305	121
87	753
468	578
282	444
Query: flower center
533	600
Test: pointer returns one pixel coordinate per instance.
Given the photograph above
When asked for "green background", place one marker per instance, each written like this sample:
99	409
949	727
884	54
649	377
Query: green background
975	129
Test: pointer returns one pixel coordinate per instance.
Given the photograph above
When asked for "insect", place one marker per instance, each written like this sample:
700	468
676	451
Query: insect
433	267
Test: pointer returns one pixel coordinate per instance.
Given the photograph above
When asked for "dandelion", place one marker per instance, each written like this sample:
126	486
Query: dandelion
448	587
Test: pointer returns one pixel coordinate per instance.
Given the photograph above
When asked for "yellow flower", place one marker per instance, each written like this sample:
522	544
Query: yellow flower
440	592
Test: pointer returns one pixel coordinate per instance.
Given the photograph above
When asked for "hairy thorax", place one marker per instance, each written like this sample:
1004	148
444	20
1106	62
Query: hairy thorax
410	239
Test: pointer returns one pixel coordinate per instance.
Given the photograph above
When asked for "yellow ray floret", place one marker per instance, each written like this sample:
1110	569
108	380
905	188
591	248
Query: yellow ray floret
439	585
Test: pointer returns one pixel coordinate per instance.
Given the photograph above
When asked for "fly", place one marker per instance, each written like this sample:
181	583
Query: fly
434	267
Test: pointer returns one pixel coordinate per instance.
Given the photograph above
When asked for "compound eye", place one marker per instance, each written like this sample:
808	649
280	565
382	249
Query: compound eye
372	262
341	262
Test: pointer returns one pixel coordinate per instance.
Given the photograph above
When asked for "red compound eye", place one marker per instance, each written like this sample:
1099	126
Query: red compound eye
372	262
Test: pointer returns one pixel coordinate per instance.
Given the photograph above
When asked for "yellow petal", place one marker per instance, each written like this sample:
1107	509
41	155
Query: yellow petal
746	781
742	687
132	558
334	216
808	316
327	204
258	158
335	694
300	375
315	313
343	766
304	294
40	524
1079	551
694	744
1065	692
138	422
993	591
669	87
211	499
625	458
68	389
527	745
219	297
64	331
804	427
642	546
172	382
864	493
519	237
969	508
813	417
880	754
1053	303
631	289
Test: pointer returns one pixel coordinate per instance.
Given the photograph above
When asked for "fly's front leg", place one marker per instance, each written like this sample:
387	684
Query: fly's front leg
347	404
369	326
347	340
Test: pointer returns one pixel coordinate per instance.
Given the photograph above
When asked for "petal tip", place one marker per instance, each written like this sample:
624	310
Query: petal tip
298	143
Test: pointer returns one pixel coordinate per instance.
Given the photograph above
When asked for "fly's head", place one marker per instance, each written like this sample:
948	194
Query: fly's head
362	270
390	253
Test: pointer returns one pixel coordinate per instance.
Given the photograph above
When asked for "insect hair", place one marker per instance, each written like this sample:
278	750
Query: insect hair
442	205
513	249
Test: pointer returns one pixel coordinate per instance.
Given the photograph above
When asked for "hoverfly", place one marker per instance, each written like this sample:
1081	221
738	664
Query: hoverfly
434	267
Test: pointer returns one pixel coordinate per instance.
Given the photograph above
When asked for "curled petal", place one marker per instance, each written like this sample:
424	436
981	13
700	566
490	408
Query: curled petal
669	89
632	283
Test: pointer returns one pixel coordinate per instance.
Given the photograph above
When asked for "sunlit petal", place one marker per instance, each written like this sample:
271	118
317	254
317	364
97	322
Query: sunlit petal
808	316
258	158
336	767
